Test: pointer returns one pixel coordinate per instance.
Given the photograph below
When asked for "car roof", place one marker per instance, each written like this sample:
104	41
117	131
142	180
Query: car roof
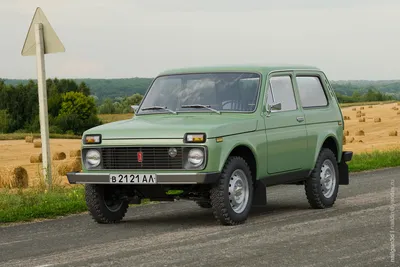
264	69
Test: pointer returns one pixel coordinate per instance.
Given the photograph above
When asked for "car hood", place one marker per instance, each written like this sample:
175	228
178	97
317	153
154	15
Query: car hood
175	126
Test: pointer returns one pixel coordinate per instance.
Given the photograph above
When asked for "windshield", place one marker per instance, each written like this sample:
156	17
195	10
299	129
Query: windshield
202	92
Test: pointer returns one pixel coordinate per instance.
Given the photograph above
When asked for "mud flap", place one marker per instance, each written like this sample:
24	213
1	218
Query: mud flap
343	173
259	194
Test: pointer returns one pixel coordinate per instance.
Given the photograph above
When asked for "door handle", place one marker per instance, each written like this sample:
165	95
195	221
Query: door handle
300	119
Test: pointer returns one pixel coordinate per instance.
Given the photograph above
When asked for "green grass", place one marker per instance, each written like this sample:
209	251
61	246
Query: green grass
29	204
374	160
21	136
344	105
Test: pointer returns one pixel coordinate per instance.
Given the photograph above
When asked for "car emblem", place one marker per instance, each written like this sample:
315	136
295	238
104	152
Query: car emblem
140	156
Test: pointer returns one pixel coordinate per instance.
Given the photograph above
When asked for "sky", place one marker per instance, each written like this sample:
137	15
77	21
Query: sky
347	39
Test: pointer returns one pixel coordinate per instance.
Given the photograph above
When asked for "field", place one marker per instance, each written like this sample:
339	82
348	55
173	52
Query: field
376	136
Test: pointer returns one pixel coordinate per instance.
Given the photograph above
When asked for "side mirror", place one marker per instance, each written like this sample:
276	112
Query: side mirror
134	108
274	107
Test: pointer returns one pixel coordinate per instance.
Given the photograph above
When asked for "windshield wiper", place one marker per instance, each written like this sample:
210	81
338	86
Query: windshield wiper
201	106
159	108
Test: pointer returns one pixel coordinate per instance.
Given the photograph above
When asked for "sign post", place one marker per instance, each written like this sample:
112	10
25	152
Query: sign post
40	40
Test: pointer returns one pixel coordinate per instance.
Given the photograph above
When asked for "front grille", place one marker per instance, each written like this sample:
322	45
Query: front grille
125	158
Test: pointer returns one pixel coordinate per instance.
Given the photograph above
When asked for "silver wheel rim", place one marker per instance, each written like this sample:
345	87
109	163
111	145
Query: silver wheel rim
238	191
328	178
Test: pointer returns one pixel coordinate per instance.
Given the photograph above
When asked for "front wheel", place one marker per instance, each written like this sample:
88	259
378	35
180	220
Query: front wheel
231	198
104	203
323	184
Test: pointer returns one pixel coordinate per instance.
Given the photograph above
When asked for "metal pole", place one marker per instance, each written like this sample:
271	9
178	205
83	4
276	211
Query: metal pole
43	110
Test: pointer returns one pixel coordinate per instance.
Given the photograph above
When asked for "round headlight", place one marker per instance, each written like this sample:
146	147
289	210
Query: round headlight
93	157
196	157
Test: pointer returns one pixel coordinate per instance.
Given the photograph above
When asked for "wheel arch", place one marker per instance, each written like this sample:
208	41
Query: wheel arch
330	141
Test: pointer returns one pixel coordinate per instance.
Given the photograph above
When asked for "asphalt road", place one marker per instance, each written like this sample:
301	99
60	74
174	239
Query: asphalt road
355	232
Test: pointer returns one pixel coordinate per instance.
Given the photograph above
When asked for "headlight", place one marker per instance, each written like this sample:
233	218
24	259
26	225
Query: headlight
93	158
196	157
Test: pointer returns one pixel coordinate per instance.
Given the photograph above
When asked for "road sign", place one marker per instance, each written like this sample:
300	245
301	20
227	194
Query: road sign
42	39
52	43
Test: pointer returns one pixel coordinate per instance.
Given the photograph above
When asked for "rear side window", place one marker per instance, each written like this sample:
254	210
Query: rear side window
280	90
311	92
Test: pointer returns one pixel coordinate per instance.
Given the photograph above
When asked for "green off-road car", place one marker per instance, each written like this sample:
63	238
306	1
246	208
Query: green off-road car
219	136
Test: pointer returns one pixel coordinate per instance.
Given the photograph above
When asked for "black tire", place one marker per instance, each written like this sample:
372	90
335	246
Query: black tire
313	185
204	204
97	197
220	196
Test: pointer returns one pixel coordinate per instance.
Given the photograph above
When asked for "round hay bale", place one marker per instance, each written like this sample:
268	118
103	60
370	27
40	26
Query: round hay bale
351	140
29	139
63	169
76	165
344	140
37	144
395	108
75	153
346	133
377	119
360	133
59	156
363	114
369	106
358	112
361	120
36	158
393	133
360	141
354	109
398	112
358	115
14	177
346	118
361	107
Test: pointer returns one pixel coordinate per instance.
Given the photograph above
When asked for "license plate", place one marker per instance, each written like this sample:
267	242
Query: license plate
133	178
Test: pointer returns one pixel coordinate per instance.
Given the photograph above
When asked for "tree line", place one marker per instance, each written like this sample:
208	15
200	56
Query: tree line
71	108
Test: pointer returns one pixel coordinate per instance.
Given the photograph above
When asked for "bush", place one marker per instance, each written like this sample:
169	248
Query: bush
55	130
4	121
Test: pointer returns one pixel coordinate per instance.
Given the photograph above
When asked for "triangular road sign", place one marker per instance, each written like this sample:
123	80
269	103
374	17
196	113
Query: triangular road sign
52	43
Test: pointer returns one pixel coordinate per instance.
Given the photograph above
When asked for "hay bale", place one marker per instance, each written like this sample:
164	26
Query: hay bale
29	139
346	118
351	140
63	169
358	115
395	108
360	133
358	112
36	158
59	156
14	177
344	140
393	133
346	133
360	141
37	144
378	119
369	106
354	109
76	165
398	112
361	107
75	153
363	114
361	120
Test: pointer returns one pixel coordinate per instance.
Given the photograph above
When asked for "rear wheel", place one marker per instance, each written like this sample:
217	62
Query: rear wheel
232	196
105	204
323	184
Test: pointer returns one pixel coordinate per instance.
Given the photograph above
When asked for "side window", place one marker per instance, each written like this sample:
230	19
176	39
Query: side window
311	92
280	90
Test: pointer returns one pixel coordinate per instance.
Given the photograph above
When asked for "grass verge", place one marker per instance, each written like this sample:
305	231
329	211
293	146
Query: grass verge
28	204
374	160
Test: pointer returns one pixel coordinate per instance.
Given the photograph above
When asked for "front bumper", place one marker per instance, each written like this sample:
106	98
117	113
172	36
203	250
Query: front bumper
162	178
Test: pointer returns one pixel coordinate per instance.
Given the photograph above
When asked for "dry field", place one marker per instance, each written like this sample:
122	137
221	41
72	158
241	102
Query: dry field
379	123
367	128
15	153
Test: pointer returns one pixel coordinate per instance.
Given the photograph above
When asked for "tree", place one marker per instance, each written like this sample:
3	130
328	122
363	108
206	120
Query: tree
4	121
79	104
